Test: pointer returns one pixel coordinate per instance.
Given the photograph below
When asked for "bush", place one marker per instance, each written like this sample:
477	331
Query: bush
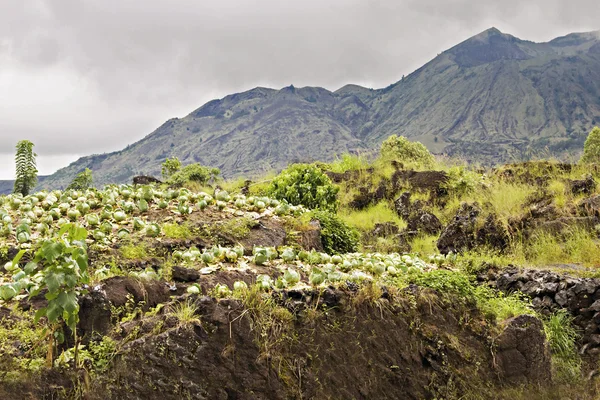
170	167
591	148
82	181
336	236
401	149
193	173
305	184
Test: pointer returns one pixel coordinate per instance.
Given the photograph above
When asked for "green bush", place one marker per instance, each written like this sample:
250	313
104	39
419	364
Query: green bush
336	236
193	173
462	181
401	149
591	148
305	184
82	181
170	167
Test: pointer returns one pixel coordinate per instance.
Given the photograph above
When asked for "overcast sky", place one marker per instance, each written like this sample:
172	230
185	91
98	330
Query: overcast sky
79	77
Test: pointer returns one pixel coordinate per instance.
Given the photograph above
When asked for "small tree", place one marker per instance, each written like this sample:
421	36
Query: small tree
82	181
26	171
400	148
591	147
170	166
305	184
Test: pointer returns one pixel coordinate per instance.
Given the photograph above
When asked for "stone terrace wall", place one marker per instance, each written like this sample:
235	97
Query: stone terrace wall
551	291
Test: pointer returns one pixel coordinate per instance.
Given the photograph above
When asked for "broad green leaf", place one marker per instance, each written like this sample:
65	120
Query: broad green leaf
52	250
30	267
39	314
53	311
54	281
68	301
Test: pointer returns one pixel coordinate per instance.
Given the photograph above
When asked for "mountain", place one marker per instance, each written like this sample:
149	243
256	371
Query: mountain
491	98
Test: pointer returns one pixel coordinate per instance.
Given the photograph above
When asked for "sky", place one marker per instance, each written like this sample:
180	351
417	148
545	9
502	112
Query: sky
80	77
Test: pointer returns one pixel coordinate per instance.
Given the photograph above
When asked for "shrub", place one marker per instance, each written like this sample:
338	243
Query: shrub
591	147
193	173
82	181
305	184
349	162
462	181
170	167
400	148
336	236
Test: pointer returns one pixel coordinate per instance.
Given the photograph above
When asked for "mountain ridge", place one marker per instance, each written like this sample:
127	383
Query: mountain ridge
491	98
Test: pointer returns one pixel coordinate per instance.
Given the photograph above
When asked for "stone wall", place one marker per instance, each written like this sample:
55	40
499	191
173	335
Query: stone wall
551	291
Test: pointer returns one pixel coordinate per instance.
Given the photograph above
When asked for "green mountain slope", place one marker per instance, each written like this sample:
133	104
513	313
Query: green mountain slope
491	98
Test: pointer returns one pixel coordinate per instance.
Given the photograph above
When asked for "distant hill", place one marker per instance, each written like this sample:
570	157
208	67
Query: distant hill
7	186
491	98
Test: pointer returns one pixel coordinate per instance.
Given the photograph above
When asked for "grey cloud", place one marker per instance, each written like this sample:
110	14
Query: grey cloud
88	76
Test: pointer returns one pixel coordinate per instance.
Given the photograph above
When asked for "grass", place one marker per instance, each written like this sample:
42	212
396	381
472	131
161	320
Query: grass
237	228
562	337
349	162
575	247
425	245
365	220
185	312
134	252
176	231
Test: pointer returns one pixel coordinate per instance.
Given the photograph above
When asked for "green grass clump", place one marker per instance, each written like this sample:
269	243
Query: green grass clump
562	337
424	245
507	199
365	220
576	246
349	162
133	252
237	228
502	306
176	231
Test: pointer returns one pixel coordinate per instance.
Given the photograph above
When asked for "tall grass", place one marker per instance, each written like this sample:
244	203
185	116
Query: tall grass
349	162
365	220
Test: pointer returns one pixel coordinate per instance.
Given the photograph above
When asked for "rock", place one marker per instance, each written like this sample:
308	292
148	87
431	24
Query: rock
415	215
594	339
145	180
565	224
492	234
182	274
459	235
522	351
585	287
590	206
430	181
583	186
423	221
385	229
310	239
402	205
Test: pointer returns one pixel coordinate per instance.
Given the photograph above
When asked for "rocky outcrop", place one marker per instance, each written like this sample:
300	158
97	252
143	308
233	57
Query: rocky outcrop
417	218
590	206
583	186
522	351
145	180
459	235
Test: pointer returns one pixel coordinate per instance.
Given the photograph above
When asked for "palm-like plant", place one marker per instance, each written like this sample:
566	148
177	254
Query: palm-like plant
26	170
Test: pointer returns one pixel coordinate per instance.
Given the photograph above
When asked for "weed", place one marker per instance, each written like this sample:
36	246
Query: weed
176	231
185	312
134	252
365	220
